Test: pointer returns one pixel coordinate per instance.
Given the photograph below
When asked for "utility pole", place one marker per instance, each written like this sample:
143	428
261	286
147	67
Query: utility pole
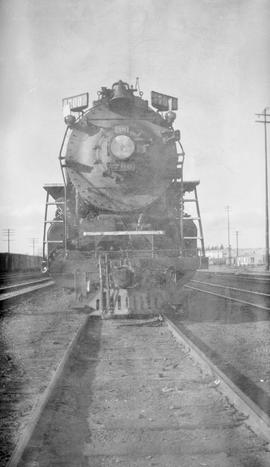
8	233
237	233
33	242
229	239
265	122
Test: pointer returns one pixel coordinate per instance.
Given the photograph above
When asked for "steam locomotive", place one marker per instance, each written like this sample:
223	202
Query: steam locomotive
119	233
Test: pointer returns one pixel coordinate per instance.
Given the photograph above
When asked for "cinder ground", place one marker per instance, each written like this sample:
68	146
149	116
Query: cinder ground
239	334
130	396
34	334
245	345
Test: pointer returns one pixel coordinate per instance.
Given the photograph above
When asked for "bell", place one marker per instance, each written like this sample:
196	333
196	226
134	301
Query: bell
120	92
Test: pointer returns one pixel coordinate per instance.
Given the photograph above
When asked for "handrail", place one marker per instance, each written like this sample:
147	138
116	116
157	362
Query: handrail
65	187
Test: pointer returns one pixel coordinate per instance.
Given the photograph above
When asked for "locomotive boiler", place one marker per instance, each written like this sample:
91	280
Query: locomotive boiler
119	230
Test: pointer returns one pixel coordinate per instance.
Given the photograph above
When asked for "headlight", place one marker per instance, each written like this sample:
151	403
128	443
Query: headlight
122	146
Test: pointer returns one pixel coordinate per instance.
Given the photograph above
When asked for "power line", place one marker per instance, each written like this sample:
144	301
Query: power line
265	122
8	233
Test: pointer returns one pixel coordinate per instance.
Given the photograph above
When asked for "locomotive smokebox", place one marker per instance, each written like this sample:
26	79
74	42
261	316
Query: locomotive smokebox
118	158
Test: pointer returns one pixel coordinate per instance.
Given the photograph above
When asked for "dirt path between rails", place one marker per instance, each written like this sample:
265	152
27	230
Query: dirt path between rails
130	396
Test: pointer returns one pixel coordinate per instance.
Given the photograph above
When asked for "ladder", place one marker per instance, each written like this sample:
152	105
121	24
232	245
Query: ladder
196	218
183	188
53	192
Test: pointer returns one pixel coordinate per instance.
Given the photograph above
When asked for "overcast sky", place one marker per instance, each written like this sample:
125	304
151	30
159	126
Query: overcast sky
211	54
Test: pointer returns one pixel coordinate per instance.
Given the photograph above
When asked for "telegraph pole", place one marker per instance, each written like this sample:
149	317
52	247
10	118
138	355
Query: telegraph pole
236	234
229	239
265	122
33	242
8	233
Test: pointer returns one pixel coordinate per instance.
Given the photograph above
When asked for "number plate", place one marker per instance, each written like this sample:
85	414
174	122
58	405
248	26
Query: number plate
122	166
76	103
163	102
119	129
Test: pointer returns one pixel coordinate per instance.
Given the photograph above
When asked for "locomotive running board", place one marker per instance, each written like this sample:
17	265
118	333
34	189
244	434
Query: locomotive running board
124	232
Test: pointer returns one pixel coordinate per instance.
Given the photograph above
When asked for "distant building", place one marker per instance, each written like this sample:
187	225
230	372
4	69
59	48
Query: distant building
246	256
216	255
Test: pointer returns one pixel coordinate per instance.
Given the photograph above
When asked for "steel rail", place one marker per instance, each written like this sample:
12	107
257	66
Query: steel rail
25	290
22	284
19	273
239	275
258	420
231	288
228	298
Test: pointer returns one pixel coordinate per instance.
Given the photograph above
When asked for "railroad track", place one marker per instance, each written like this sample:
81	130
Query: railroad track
244	296
11	291
18	276
261	281
125	393
250	401
248	276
